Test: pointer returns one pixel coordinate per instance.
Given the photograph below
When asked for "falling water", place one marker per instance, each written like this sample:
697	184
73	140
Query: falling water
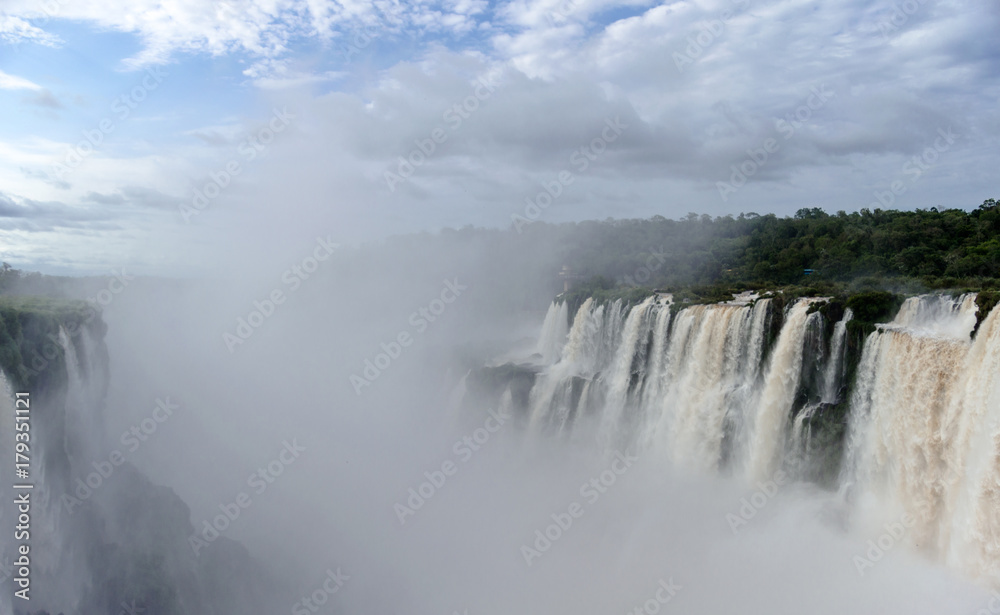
835	366
704	386
583	356
679	383
780	387
655	373
554	332
629	358
86	394
8	511
710	377
66	432
833	378
924	434
938	315
972	531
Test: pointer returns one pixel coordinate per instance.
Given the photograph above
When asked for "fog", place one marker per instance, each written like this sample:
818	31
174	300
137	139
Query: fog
336	506
468	308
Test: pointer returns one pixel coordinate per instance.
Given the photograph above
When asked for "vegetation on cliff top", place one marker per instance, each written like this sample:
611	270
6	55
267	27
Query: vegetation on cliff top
30	353
933	249
868	260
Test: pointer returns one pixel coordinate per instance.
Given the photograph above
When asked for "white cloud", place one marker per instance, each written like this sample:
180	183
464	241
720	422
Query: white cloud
13	82
295	80
264	29
564	76
14	30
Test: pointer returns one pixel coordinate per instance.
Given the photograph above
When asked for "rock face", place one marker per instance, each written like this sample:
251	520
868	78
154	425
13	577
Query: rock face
104	538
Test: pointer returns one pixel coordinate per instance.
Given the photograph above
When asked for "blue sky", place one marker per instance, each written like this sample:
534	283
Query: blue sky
343	93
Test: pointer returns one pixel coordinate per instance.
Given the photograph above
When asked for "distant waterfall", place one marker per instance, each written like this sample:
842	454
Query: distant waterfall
588	351
554	332
629	363
718	386
67	434
91	509
938	315
900	417
834	374
778	396
689	382
832	382
713	358
84	396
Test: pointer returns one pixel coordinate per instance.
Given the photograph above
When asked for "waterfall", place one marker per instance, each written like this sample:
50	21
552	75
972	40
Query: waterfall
938	315
925	429
723	387
834	373
67	434
780	387
91	510
713	360
84	396
693	383
683	384
903	404
551	397
655	373
8	511
972	533
832	380
584	336
629	357
554	332
800	434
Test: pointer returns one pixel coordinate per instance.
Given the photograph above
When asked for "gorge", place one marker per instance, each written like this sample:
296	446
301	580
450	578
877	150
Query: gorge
103	538
748	419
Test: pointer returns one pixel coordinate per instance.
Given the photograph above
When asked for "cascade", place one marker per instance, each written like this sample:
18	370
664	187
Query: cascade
710	375
778	395
549	403
971	531
656	380
629	358
924	429
800	445
704	387
90	514
66	394
554	332
835	366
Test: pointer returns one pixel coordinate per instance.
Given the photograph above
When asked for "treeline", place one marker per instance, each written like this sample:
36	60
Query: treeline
704	258
18	282
700	256
936	249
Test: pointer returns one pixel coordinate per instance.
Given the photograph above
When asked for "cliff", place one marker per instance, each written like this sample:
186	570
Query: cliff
104	538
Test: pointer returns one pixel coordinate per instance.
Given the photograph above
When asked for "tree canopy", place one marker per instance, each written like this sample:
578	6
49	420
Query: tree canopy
939	249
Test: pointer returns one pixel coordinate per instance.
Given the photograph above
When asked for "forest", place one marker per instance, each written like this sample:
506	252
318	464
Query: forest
906	251
940	248
697	257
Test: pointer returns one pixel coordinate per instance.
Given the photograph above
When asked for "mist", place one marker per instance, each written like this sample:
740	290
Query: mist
368	495
473	308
